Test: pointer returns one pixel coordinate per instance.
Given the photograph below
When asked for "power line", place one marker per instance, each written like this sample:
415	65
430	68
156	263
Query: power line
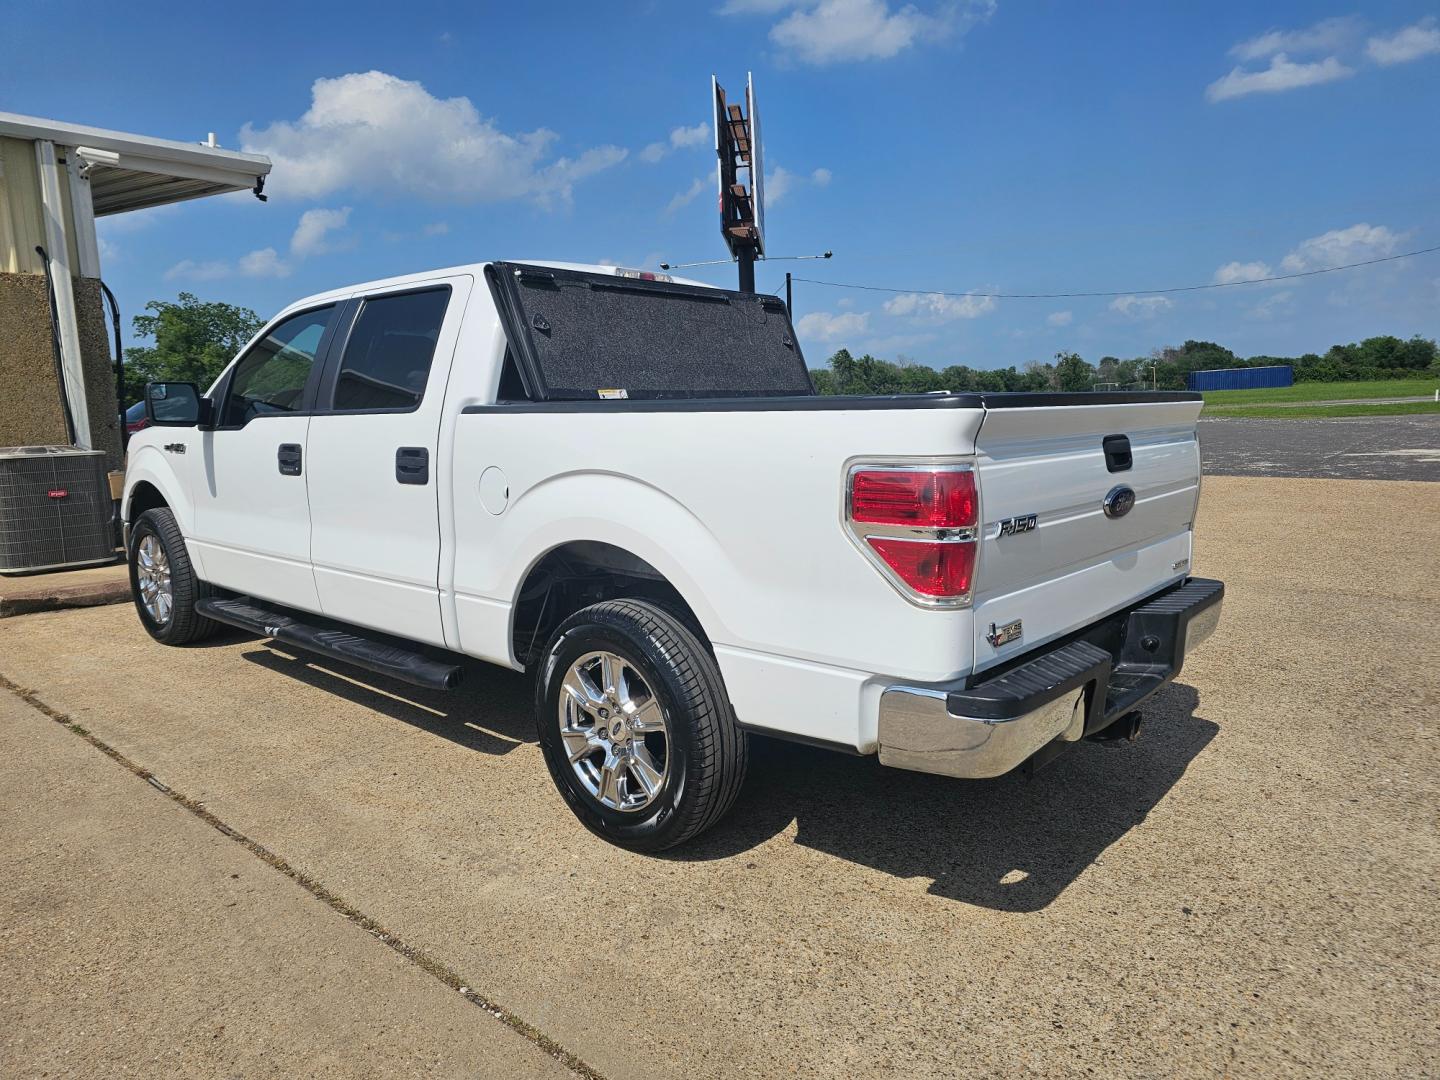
1124	292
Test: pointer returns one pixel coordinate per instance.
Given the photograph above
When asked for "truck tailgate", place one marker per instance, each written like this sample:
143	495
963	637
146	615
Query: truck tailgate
1077	562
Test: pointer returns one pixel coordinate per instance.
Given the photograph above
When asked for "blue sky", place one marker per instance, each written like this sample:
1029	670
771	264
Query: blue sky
953	146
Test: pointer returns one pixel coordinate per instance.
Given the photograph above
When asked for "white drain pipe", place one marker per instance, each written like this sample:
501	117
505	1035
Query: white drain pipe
57	245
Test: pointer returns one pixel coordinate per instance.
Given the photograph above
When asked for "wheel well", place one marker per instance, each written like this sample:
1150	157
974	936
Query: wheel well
144	496
581	573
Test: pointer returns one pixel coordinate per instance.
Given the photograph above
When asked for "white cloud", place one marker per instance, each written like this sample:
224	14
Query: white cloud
1340	247
781	182
311	236
824	326
686	197
778	184
680	138
190	270
1282	74
1325	36
1232	272
263	263
375	132
1060	318
937	307
831	31
1271	306
436	228
699	135
1411	43
1141	307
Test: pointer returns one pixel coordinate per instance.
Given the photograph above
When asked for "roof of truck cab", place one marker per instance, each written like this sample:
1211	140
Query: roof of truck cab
473	270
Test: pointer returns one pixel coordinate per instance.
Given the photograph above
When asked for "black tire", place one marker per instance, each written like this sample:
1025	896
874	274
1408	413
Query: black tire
184	624
707	751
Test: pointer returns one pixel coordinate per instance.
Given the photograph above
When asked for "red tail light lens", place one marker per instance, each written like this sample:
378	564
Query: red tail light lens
940	499
931	567
919	526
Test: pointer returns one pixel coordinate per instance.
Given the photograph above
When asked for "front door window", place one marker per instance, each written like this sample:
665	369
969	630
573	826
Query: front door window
271	377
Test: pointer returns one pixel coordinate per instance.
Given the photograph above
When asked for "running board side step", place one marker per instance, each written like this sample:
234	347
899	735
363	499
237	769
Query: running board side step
363	652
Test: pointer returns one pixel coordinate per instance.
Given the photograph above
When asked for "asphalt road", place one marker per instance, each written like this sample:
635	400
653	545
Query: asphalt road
1248	890
1348	448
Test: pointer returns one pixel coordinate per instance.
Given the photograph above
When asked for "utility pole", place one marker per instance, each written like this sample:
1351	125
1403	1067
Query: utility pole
746	259
789	301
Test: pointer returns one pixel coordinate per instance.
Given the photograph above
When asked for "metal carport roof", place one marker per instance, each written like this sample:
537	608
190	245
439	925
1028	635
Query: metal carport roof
130	172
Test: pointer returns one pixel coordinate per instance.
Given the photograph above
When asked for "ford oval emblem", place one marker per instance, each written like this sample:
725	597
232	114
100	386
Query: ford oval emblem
1118	502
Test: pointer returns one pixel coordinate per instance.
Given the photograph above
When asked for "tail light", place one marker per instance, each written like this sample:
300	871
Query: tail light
918	524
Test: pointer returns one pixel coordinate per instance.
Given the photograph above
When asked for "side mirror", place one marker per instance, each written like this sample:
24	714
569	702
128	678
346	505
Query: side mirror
176	404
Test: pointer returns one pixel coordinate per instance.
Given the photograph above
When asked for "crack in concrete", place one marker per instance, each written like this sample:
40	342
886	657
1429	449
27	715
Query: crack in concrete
427	963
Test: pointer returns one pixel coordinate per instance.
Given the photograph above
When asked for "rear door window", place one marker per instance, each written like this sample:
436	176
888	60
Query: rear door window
388	355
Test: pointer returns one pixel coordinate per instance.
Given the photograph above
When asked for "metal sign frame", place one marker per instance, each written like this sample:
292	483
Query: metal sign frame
741	206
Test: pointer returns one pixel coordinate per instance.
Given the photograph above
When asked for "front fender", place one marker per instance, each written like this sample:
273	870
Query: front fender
148	464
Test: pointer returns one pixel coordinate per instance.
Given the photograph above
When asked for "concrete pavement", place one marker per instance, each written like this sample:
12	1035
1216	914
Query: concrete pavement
135	938
1248	890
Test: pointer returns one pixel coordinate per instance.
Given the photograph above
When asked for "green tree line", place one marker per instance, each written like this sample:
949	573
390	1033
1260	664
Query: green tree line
1384	357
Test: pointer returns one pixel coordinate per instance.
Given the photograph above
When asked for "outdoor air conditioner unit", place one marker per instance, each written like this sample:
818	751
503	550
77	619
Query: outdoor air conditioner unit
55	509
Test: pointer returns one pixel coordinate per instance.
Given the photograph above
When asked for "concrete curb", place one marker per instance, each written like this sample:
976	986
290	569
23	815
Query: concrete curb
55	592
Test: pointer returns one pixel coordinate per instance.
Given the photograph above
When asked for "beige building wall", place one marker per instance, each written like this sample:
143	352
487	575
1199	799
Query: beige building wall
30	411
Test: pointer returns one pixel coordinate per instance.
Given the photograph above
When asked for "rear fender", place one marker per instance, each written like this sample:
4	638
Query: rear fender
583	506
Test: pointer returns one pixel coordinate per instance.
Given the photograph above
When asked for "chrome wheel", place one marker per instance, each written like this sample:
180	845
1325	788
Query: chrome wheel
152	571
615	733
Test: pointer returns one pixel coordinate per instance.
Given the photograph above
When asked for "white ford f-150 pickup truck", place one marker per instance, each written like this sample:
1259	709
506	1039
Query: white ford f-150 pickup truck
627	486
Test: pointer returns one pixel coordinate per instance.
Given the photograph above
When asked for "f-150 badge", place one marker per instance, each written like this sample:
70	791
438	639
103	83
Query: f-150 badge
1012	525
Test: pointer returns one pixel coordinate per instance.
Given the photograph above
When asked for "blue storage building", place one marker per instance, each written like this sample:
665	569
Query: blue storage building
1241	378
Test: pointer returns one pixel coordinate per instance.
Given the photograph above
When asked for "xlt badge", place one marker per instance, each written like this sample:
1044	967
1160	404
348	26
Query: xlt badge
1021	524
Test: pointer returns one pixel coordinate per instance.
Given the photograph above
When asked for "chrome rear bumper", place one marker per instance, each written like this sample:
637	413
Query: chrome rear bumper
1059	695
